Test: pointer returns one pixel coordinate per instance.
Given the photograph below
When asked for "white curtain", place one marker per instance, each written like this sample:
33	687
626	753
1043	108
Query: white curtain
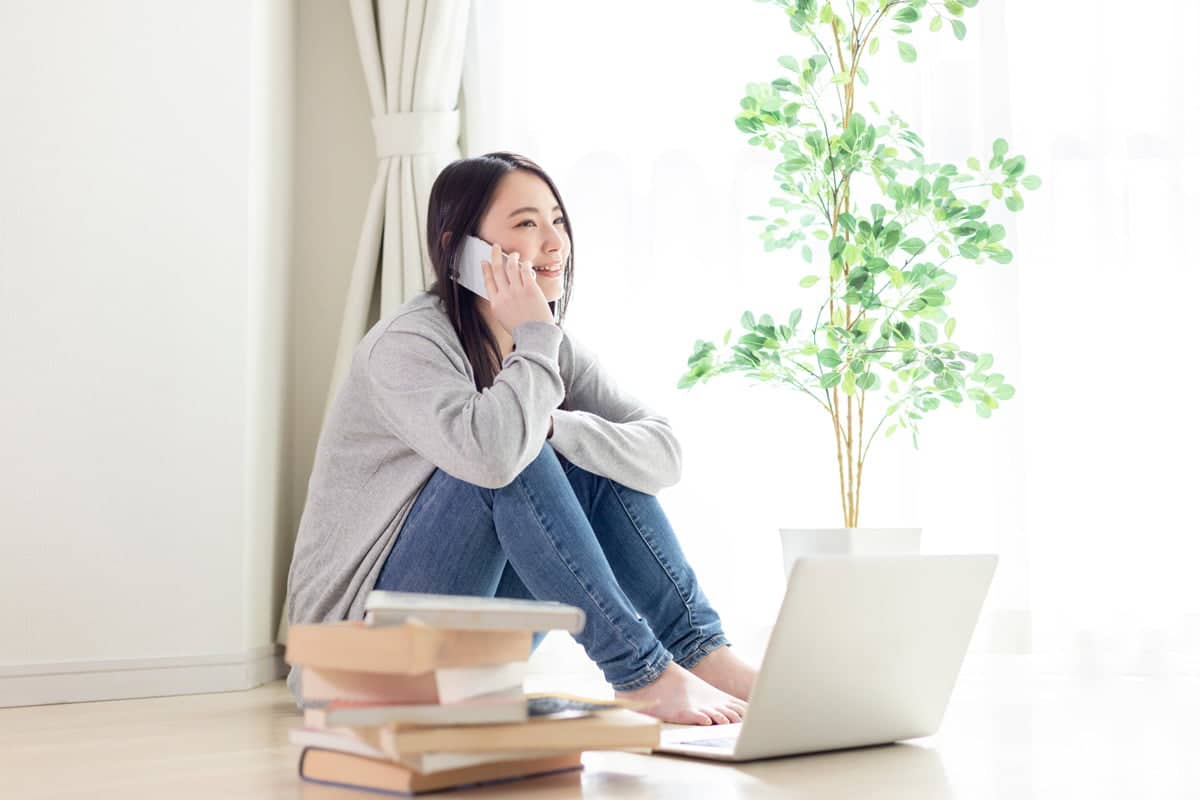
1081	482
412	58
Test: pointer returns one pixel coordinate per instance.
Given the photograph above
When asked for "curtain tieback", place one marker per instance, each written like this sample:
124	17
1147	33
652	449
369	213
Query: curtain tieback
407	133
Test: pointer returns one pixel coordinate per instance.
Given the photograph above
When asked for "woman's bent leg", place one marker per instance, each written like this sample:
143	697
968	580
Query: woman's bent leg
644	553
460	538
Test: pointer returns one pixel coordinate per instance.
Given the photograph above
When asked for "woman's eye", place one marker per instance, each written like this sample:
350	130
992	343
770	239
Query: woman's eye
562	220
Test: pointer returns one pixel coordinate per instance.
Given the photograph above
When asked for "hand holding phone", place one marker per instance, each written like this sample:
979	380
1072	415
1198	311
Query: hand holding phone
509	285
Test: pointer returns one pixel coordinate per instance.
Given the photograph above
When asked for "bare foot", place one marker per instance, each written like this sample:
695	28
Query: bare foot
723	669
679	696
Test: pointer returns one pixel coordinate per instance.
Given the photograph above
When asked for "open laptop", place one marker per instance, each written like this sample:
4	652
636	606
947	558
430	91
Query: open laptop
866	651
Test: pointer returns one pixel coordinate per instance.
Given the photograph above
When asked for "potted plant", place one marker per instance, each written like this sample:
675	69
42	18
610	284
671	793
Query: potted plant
875	351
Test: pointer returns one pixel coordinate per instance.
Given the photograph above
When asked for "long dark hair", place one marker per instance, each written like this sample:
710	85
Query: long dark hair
460	196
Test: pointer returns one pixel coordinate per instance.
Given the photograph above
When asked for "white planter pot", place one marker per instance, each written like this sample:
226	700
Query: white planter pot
801	542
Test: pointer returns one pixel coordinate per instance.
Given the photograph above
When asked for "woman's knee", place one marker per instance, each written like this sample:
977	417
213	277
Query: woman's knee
546	459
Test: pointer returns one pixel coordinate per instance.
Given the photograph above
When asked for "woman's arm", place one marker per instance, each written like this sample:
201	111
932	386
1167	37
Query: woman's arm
485	438
611	433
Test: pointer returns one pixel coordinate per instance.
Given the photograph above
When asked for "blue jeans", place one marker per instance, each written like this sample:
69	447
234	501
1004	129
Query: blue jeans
559	532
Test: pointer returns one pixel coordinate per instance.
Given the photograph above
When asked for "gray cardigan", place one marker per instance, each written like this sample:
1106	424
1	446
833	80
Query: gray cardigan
409	406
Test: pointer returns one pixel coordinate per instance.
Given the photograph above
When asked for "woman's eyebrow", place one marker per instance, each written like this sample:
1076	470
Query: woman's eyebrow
529	208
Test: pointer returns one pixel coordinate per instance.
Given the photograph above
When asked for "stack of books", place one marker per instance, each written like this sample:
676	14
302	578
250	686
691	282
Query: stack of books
428	693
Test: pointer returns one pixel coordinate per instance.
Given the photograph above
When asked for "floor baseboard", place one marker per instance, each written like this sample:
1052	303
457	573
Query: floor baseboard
87	681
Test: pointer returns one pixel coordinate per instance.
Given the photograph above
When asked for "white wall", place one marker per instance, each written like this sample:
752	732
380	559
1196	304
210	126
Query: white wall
144	228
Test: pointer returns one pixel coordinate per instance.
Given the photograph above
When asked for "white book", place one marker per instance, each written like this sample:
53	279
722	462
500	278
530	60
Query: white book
456	684
465	612
344	741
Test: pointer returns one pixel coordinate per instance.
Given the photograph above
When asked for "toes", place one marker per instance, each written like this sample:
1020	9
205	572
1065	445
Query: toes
717	716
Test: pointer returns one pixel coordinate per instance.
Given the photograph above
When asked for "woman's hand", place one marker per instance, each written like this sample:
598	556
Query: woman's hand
513	291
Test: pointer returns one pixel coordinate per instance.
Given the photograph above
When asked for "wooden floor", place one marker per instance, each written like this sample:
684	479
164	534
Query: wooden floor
1009	733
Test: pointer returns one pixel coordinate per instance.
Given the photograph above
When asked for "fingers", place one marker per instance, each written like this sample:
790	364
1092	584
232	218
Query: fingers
507	271
498	269
489	282
512	267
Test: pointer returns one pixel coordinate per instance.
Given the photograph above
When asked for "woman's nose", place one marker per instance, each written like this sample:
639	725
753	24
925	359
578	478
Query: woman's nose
554	242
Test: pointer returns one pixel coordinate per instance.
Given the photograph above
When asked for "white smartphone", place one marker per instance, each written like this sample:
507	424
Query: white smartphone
469	269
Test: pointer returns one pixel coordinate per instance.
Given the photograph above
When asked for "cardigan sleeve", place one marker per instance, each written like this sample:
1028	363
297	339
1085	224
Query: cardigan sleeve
609	432
485	438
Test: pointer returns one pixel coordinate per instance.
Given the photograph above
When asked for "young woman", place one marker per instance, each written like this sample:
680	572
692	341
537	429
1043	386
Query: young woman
475	448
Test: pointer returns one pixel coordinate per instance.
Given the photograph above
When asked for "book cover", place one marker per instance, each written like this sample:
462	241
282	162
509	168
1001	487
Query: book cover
359	772
410	648
602	730
344	742
497	707
466	612
319	687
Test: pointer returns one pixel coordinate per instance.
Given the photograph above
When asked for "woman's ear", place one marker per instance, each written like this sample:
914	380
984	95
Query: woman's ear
445	239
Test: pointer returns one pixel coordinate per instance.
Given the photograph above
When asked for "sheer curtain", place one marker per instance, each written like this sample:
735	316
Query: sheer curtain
1080	483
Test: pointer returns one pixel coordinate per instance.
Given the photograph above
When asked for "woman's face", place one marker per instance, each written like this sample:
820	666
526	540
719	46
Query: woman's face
524	218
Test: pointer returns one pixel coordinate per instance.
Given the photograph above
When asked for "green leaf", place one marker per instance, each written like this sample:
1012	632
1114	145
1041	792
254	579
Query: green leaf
808	281
1031	181
912	246
999	148
829	358
1004	392
928	333
848	382
789	62
748	321
1014	202
830	380
794	318
960	30
806	251
908	53
867	380
935	23
982	410
858	124
950	326
873	47
973	163
907	14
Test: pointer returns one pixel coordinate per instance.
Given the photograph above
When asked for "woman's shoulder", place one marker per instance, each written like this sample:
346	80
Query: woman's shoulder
420	322
423	314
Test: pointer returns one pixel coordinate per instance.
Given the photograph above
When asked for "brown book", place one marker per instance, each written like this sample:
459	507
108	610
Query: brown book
603	730
445	685
407	649
360	772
